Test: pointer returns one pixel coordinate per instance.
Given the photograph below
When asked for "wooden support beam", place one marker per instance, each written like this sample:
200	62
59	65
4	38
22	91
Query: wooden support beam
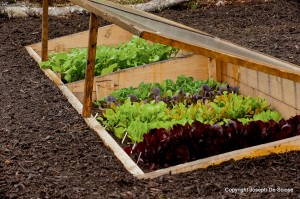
214	69
90	65
290	74
45	31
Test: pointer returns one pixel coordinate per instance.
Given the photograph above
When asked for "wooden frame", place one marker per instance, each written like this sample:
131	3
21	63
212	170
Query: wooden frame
279	84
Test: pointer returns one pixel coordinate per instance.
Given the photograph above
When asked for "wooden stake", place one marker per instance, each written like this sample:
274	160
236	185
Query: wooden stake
45	31
90	66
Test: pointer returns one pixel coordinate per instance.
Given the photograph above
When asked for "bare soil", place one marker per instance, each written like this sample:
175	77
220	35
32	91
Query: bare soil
47	151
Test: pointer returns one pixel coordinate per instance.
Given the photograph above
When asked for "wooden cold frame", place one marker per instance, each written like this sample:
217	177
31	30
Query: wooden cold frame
254	78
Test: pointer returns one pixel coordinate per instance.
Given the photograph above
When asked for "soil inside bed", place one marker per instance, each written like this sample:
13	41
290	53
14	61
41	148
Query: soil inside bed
47	151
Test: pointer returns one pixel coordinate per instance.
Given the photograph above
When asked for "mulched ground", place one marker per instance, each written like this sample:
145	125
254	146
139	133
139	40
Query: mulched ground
47	151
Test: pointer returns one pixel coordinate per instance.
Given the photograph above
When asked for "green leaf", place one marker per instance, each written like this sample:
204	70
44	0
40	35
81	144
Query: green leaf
119	132
109	69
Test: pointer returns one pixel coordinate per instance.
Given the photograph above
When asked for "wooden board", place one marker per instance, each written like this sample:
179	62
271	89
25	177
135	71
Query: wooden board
195	66
107	35
282	94
269	65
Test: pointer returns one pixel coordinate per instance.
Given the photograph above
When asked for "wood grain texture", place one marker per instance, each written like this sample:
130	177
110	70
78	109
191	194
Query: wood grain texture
192	66
215	54
33	54
107	35
286	110
90	66
45	31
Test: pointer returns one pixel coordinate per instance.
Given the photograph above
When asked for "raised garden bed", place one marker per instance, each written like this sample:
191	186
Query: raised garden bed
167	124
112	35
256	83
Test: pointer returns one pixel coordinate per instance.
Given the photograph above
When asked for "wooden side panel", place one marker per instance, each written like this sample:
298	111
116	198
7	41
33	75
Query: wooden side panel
192	66
282	94
264	83
33	54
107	35
289	92
104	88
298	95
276	87
214	69
281	146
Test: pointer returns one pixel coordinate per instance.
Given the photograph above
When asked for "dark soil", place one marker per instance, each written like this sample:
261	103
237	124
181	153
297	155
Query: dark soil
47	151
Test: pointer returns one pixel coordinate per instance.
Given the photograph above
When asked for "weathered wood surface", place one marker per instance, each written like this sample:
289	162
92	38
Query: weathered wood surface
279	68
195	66
107	35
45	31
90	66
282	94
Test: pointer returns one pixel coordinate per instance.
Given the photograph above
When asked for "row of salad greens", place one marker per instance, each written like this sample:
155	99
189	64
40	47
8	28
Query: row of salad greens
127	112
136	52
170	92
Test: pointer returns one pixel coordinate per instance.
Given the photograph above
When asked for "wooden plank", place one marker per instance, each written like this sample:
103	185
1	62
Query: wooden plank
53	76
277	147
236	74
60	47
219	70
45	31
90	67
214	69
289	92
298	95
107	35
284	109
192	66
33	54
287	73
264	83
71	98
104	88
278	88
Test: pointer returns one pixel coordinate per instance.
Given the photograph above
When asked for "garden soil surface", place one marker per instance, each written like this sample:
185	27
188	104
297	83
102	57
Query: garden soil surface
47	150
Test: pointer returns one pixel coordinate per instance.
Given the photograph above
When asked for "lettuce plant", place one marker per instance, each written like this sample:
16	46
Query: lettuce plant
136	52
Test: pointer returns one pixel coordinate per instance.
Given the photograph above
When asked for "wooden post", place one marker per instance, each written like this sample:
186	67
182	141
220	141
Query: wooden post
45	31
90	66
214	69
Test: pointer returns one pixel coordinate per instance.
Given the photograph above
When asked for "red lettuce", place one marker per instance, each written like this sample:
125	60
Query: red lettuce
179	144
